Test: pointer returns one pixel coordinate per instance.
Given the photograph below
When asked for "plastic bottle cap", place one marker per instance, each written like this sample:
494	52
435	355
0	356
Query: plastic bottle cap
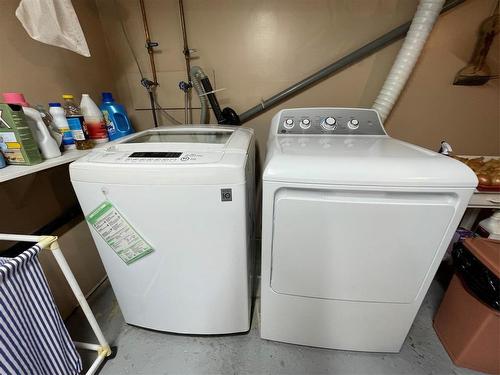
15	98
54	104
107	97
68	96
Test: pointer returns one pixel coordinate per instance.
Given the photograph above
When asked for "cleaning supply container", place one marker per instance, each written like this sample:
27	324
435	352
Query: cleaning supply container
15	98
94	120
115	115
3	164
468	319
47	145
76	123
16	139
59	120
490	227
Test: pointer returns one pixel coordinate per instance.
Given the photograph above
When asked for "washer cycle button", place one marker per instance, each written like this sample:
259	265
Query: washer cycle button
288	124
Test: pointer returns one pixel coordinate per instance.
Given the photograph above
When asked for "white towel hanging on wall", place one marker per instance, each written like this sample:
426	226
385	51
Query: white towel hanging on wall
53	22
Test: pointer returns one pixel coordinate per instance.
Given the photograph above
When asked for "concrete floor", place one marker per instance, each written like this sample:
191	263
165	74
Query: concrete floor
142	351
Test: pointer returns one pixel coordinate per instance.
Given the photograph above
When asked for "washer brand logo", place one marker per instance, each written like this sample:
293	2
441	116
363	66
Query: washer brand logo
226	195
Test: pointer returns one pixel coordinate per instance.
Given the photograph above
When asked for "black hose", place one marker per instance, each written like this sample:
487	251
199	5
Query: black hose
153	107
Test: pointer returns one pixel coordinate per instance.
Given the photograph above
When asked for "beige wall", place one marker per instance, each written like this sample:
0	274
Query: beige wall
43	73
257	48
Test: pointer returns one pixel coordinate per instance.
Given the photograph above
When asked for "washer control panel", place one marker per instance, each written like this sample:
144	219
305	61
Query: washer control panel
154	157
334	121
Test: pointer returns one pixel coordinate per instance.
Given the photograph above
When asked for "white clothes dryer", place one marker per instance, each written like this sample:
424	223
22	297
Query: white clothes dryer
354	226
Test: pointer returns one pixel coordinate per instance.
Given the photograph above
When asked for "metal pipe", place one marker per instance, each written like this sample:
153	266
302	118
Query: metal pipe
187	57
186	51
365	51
149	44
150	86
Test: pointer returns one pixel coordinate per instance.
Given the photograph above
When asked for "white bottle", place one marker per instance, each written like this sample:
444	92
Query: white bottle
490	227
59	120
94	120
47	145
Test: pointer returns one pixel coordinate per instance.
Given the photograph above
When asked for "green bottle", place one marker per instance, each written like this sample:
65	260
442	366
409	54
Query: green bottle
16	139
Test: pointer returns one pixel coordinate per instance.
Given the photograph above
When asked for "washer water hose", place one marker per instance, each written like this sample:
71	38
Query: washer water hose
421	26
197	75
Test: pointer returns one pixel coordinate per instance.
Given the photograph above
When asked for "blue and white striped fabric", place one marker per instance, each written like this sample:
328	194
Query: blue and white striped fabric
33	338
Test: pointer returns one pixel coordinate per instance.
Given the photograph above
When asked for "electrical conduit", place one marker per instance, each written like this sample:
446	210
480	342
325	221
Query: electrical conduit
421	26
196	76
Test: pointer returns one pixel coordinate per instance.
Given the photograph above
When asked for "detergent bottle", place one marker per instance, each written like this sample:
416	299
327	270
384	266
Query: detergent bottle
94	120
17	143
49	123
3	164
47	145
115	115
59	120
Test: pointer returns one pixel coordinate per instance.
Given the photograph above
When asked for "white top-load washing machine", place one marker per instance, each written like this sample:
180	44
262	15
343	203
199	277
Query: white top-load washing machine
171	211
354	226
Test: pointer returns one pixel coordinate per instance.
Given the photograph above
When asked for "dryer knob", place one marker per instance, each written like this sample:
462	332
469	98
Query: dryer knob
305	123
353	124
328	123
288	123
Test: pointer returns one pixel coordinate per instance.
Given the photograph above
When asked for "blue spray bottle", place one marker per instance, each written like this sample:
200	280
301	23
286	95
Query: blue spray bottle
2	161
116	118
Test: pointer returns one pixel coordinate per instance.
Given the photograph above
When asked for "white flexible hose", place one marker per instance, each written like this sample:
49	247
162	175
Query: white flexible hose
421	26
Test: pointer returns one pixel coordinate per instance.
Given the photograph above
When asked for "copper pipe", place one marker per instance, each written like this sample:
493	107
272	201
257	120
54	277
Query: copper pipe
186	51
187	57
149	44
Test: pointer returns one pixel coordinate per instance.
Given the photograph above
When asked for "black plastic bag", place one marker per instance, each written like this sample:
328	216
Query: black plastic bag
483	283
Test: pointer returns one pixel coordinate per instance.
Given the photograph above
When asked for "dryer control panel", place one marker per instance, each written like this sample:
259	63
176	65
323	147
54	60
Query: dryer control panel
334	121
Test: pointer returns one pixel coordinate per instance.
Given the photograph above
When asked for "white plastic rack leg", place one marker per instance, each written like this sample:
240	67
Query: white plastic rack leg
50	243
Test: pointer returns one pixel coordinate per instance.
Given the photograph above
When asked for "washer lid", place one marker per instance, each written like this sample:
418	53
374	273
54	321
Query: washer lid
187	138
169	155
361	160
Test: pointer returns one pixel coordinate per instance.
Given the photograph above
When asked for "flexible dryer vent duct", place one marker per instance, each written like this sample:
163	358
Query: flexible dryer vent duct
421	26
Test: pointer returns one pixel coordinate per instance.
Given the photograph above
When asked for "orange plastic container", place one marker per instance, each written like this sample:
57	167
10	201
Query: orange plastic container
468	329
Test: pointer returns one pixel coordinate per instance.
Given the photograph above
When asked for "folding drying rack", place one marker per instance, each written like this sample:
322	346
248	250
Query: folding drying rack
50	243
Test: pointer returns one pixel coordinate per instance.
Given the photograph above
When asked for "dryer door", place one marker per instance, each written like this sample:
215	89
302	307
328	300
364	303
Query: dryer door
372	246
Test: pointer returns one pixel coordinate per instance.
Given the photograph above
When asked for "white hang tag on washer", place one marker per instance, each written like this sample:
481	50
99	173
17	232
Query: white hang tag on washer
116	231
